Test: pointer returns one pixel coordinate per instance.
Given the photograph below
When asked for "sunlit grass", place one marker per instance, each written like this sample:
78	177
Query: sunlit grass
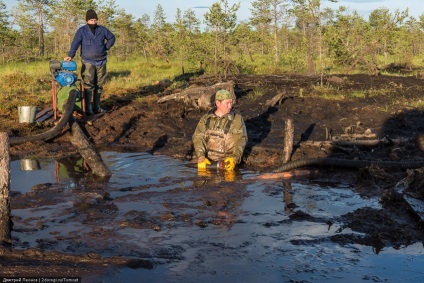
333	92
256	93
30	84
131	75
419	104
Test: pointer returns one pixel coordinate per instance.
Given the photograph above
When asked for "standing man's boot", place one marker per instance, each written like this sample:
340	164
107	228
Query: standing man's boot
96	102
88	96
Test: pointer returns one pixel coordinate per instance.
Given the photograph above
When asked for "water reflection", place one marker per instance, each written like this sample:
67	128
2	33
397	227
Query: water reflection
200	224
128	170
144	170
70	168
23	180
30	164
205	177
289	205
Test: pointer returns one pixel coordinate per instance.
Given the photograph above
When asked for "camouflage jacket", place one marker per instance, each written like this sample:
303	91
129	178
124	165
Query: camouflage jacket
219	137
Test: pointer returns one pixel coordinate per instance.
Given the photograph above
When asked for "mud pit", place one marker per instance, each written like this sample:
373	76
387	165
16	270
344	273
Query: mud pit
142	125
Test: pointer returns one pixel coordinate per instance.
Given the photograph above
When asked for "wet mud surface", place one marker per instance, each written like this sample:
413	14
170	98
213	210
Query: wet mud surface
104	213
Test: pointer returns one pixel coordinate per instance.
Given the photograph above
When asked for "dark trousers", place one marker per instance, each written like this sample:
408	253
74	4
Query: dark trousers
93	77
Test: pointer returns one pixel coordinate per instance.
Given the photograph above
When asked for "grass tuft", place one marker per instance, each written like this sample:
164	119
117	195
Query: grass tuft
256	93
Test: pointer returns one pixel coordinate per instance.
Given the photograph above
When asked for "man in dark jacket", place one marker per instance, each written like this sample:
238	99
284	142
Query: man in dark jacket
94	40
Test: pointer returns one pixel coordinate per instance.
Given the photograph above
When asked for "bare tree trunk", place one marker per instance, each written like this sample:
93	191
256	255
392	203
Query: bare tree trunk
275	31
276	55
288	140
146	56
41	32
216	52
310	54
5	221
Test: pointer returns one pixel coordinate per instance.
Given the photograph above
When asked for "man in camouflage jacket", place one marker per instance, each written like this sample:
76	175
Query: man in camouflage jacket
220	134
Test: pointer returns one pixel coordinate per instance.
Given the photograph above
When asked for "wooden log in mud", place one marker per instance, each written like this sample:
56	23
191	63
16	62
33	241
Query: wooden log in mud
5	221
332	144
93	159
200	97
355	136
328	134
288	140
277	99
373	142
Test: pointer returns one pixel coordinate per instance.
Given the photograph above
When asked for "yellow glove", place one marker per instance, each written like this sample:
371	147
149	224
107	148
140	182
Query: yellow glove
229	163
202	164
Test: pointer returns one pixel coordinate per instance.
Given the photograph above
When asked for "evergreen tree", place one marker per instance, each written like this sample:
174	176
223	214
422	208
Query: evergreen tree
143	36
261	19
67	17
222	20
7	34
159	30
37	11
123	25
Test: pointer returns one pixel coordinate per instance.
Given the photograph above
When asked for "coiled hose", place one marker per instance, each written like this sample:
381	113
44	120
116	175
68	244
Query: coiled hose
68	108
346	163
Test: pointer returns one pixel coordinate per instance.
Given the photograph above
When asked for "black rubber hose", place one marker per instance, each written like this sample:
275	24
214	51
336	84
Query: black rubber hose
346	163
215	165
68	108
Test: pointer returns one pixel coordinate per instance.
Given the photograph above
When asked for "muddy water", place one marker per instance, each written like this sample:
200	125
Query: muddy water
207	228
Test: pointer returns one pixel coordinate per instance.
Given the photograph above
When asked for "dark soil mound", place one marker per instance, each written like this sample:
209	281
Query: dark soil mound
382	109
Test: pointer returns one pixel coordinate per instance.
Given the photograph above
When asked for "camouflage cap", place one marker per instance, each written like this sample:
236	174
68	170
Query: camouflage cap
223	94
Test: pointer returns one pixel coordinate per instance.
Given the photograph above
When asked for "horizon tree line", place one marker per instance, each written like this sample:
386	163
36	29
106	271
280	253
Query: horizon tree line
291	35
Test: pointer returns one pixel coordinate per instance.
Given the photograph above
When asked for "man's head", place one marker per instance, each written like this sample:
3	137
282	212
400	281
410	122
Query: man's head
224	102
91	15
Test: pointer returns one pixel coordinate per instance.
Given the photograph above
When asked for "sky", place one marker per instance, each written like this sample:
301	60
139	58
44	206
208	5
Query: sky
363	7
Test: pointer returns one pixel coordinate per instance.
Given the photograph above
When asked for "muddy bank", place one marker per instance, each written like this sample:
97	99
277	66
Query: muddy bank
143	125
379	124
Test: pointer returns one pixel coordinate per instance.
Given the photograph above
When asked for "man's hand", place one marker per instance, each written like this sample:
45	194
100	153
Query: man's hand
67	59
229	163
202	163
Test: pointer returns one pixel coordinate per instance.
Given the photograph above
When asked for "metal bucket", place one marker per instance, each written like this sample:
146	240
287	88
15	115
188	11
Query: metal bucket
30	164
27	114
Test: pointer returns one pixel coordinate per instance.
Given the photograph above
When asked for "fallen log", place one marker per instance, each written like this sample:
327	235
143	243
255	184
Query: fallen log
374	142
277	99
330	144
200	97
355	136
30	258
79	140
